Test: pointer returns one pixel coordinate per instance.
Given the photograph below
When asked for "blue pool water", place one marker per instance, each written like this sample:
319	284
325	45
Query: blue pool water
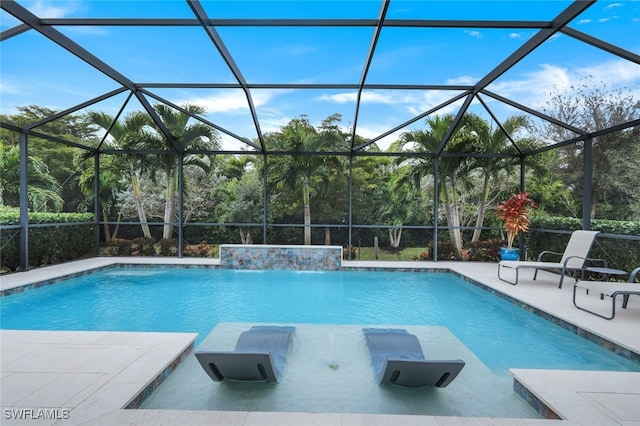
501	334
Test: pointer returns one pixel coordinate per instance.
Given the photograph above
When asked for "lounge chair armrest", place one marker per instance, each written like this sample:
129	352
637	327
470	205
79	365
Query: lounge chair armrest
632	275
548	252
603	262
590	259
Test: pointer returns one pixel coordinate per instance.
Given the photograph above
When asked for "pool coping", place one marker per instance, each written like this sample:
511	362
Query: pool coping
521	377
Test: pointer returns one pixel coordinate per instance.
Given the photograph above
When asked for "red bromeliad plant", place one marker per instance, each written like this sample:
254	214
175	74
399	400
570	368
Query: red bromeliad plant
515	214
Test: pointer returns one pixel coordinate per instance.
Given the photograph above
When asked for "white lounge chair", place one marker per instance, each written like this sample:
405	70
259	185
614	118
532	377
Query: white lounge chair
259	356
609	289
397	359
573	258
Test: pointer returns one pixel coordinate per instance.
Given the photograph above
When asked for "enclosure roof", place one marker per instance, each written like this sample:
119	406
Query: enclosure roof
383	65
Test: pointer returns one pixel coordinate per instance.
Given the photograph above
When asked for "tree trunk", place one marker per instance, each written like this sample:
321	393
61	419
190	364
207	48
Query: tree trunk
453	220
114	235
245	238
307	211
141	213
170	206
395	234
107	231
327	236
482	208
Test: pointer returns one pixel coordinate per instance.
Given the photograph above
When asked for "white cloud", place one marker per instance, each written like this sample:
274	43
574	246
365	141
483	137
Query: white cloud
613	6
229	101
9	87
300	50
533	90
50	9
614	73
463	80
369	132
366	97
474	34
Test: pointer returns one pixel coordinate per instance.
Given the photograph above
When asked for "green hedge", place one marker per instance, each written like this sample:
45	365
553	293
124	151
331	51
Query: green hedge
619	253
47	245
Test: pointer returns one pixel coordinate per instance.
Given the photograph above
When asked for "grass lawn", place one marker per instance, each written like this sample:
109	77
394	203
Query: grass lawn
402	253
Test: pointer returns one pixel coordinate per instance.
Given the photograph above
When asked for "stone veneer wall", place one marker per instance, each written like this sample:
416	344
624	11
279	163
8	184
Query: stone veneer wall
305	258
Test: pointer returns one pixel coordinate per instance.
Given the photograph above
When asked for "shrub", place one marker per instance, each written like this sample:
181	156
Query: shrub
168	247
119	247
425	255
201	250
484	251
345	252
49	244
143	246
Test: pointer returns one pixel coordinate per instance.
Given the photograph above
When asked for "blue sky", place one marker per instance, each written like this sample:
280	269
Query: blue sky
35	71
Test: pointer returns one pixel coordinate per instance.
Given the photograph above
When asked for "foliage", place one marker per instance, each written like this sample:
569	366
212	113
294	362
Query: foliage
484	251
201	250
297	171
58	158
168	247
229	189
346	250
446	251
47	245
425	255
591	106
619	253
43	192
514	212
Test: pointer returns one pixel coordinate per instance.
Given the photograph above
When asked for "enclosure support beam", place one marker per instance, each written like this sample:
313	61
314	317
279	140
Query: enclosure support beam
264	198
587	183
180	204
24	203
522	189
350	205
436	197
96	204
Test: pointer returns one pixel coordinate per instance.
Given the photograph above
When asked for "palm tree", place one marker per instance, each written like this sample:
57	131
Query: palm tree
122	135
43	189
333	202
491	140
195	137
451	169
111	184
294	171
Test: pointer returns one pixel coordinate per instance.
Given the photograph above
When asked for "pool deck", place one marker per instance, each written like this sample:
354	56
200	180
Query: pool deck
65	378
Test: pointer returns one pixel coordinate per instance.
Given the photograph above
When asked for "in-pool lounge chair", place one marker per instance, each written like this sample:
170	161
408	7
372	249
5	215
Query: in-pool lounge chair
573	259
609	289
397	359
259	355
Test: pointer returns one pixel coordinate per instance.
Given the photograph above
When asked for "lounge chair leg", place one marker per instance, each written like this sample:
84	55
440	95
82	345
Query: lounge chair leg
507	281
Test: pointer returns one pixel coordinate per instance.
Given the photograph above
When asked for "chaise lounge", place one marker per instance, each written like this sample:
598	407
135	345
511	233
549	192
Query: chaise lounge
574	258
397	359
259	356
609	289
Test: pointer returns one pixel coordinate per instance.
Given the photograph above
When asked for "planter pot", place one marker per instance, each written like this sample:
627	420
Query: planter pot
507	253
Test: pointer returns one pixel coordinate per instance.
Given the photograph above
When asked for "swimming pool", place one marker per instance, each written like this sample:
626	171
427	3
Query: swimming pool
499	333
